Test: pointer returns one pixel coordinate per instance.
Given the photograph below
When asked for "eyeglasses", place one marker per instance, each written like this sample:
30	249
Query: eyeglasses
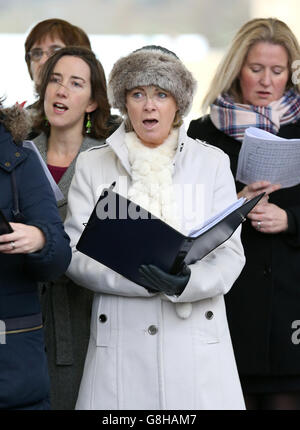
37	53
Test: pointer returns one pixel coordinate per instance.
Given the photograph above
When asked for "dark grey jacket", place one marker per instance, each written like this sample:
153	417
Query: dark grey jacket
66	308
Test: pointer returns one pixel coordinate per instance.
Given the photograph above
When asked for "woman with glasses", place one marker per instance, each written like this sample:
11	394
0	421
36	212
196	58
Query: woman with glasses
72	114
47	37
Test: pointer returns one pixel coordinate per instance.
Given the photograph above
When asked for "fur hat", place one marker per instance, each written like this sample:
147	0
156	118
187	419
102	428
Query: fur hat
151	65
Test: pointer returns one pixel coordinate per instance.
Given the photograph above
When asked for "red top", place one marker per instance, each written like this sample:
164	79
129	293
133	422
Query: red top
56	172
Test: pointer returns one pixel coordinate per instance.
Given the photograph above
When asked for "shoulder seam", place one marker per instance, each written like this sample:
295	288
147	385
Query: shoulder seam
205	143
104	145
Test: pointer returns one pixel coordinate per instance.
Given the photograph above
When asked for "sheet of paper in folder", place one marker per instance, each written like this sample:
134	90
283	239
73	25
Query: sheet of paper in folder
126	243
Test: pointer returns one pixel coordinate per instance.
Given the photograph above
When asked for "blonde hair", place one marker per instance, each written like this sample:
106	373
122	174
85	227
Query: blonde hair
226	78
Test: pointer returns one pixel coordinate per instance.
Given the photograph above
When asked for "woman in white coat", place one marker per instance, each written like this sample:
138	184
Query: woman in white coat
166	346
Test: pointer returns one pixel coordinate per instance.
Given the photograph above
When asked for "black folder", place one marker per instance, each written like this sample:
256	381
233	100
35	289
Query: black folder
122	236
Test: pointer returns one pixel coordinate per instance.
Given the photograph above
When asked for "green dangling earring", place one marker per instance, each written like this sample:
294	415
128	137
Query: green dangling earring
46	121
88	125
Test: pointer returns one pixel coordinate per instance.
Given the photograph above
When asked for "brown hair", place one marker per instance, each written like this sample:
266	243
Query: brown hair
69	34
101	115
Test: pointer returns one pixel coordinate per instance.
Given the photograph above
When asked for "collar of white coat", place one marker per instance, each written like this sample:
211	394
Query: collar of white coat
117	143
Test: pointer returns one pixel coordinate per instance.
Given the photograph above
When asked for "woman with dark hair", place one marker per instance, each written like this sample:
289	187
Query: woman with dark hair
166	346
37	249
95	122
72	114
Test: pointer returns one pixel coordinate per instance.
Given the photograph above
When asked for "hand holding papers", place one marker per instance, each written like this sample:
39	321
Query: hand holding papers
265	156
124	243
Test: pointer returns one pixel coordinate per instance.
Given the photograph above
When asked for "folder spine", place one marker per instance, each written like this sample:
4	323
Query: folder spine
184	249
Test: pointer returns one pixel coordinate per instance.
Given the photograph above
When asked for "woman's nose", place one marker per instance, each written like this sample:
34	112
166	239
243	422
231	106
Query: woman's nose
61	89
149	104
43	58
266	78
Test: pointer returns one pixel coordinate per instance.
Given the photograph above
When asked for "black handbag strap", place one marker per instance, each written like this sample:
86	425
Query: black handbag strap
18	216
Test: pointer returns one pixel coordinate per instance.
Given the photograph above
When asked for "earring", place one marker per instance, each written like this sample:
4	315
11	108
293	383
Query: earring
88	125
46	121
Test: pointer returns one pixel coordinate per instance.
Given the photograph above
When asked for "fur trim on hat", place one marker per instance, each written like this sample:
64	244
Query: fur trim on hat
146	67
17	121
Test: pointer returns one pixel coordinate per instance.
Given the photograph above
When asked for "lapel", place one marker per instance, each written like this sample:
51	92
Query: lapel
65	182
117	143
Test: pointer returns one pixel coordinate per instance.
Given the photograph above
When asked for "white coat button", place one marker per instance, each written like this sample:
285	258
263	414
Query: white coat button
209	315
152	329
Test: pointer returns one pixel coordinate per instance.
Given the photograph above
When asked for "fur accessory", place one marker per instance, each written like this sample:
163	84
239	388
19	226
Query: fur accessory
152	185
17	121
151	65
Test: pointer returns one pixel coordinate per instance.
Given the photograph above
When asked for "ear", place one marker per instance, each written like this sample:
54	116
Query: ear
91	106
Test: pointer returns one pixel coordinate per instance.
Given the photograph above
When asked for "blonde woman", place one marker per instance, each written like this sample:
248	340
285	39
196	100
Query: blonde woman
166	346
253	86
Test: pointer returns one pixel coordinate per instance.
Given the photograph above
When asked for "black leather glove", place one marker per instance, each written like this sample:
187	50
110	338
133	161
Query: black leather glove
156	280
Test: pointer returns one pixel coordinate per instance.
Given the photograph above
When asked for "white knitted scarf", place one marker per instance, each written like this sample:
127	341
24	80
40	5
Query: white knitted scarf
152	182
152	185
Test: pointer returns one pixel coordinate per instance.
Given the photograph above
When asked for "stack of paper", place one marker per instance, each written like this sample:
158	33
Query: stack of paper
265	156
217	218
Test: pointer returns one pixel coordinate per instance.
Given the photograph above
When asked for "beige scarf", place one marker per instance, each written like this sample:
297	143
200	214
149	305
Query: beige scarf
152	182
152	185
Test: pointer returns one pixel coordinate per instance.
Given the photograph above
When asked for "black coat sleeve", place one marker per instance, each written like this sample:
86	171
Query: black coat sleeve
193	131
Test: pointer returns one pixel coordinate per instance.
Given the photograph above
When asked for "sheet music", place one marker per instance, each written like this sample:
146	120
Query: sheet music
216	218
265	156
58	194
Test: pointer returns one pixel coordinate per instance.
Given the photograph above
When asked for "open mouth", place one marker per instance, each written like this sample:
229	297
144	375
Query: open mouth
150	123
59	107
